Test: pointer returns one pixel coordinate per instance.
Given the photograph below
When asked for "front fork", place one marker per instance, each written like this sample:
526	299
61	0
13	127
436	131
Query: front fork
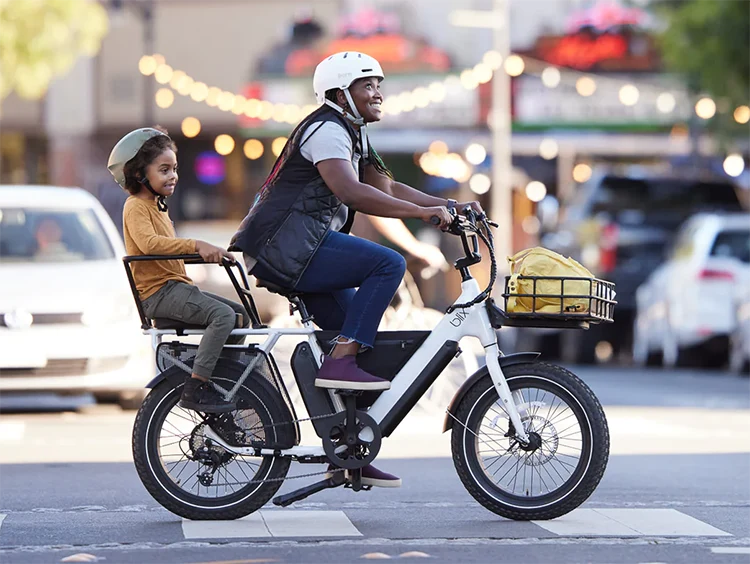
512	401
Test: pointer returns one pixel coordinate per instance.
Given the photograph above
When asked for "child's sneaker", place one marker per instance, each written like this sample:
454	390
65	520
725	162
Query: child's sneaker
202	396
344	374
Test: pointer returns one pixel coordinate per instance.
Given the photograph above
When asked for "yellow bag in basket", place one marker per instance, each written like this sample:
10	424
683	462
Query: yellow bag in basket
543	262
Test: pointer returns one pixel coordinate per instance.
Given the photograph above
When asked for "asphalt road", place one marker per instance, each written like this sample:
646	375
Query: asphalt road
677	489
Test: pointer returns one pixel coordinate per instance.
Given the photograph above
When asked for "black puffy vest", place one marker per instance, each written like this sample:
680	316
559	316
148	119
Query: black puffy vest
286	225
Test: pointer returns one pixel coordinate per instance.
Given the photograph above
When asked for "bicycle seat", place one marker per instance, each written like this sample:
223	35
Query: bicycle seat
179	326
276	289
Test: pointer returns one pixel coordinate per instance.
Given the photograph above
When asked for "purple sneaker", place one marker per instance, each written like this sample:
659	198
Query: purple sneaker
371	476
344	374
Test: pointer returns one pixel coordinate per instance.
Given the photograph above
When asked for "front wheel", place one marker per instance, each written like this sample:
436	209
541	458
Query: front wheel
565	459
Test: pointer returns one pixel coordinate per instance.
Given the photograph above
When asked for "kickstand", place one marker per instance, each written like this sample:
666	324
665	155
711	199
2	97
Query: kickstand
336	480
356	479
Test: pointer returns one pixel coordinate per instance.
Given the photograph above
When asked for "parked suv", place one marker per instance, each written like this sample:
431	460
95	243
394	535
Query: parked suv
619	227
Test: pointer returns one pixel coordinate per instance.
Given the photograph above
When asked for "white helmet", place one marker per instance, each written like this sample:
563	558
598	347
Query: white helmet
338	72
341	69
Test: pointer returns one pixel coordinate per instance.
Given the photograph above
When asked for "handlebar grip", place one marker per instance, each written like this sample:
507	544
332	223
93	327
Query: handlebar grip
435	220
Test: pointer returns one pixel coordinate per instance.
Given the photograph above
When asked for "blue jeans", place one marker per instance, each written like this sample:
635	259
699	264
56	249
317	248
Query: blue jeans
348	285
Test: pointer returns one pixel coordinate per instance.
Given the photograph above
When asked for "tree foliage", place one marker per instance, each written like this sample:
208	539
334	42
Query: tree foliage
709	41
41	39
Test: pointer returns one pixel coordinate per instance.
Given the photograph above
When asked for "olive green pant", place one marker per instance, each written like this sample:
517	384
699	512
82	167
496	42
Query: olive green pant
186	303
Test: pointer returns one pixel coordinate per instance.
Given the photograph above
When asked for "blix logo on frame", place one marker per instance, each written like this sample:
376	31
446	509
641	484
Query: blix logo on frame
459	319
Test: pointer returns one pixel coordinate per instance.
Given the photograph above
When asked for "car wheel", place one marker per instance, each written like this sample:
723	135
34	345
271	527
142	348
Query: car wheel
578	347
131	400
670	356
106	397
738	363
640	346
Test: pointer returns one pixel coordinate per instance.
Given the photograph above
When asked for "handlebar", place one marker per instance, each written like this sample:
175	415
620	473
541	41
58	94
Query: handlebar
471	225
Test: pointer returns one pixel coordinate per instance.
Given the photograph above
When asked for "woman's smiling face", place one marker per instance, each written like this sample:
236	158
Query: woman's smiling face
367	97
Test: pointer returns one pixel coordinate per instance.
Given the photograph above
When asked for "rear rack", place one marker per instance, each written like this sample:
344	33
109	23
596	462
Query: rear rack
243	291
599	304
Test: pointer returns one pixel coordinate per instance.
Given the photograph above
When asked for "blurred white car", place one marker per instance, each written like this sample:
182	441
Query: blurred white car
739	339
686	309
68	322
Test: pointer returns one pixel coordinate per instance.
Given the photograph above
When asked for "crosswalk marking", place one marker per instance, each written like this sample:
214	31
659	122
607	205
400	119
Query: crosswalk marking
274	523
730	549
287	523
629	522
251	526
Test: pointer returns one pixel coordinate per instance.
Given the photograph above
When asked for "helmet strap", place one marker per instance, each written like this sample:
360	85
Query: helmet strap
161	200
356	119
360	120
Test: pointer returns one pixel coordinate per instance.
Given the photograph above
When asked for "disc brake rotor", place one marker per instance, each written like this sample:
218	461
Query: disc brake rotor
544	438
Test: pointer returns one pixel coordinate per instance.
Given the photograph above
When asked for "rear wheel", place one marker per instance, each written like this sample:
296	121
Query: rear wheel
564	461
198	480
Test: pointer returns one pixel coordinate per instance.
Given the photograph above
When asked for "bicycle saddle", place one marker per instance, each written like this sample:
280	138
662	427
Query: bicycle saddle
276	289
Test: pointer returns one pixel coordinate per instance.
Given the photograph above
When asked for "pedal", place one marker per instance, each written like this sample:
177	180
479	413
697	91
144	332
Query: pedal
336	480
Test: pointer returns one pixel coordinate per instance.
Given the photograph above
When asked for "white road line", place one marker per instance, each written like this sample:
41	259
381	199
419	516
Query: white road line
12	431
629	522
730	549
274	523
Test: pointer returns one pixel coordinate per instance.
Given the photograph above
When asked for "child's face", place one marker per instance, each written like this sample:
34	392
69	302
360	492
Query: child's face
162	173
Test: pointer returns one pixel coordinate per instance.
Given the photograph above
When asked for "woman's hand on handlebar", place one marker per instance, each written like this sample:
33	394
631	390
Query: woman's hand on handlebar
439	216
212	253
476	206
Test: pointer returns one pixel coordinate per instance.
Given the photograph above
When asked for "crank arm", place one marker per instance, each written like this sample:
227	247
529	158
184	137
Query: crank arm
336	480
294	452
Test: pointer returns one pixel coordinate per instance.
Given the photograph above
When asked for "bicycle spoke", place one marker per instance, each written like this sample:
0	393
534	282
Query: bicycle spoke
538	471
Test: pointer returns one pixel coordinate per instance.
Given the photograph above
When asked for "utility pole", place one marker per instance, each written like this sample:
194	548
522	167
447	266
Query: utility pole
501	192
147	19
145	10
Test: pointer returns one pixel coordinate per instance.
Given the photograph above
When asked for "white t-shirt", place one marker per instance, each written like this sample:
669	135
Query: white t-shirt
330	141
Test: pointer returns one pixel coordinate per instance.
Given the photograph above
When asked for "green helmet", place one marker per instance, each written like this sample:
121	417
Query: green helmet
126	149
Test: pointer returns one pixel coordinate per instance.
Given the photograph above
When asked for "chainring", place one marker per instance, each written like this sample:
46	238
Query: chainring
351	456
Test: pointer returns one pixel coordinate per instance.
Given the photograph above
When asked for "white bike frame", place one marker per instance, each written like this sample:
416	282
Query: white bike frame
463	322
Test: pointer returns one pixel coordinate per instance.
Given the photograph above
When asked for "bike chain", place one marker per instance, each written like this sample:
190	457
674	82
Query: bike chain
187	369
268	480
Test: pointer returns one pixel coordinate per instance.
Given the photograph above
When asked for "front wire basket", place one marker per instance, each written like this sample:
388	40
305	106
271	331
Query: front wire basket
599	297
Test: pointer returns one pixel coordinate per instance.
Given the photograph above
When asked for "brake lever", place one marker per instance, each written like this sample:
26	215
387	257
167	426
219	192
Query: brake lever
483	218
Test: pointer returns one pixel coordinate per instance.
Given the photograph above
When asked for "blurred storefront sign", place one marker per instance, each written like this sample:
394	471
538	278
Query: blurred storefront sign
283	74
367	31
607	52
536	105
607	15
